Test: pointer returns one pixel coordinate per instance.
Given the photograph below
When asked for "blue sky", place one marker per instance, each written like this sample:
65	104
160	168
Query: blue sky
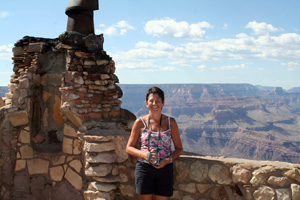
172	41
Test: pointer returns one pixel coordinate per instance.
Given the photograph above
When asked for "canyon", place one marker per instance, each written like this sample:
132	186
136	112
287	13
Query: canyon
229	120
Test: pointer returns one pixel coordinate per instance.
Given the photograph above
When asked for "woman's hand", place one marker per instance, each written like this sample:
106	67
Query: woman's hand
153	158
162	163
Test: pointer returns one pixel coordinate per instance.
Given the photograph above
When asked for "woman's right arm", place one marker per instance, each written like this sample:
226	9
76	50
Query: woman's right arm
133	139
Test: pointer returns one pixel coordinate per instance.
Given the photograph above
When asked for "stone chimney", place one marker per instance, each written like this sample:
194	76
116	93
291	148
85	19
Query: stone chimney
63	99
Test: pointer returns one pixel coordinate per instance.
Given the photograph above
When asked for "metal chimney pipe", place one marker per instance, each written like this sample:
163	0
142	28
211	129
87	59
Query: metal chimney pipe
81	16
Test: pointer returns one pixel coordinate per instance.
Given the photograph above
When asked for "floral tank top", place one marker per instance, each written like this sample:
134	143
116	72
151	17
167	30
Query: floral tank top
150	139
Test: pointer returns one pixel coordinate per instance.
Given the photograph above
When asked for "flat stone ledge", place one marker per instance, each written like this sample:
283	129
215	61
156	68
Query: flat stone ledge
254	163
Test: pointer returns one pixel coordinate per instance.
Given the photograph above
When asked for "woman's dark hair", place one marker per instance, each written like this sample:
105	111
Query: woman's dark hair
156	90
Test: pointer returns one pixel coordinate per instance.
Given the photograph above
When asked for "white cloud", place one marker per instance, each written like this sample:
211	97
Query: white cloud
143	44
230	67
261	28
156	68
123	24
145	66
168	68
159	45
282	48
170	28
110	31
134	65
292	66
225	26
120	28
180	62
201	67
4	14
123	31
6	52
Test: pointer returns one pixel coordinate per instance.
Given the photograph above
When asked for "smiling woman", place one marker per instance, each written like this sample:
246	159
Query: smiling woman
156	132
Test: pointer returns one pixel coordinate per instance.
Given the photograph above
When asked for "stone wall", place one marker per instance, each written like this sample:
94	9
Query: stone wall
63	135
220	178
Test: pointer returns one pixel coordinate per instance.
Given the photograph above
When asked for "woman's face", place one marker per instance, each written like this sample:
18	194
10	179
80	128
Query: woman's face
154	103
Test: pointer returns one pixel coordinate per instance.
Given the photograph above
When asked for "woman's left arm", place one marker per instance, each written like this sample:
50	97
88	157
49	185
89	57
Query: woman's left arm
177	144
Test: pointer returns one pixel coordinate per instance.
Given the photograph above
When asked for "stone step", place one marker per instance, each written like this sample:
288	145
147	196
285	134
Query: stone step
97	195
101	158
99	147
100	170
108	179
102	187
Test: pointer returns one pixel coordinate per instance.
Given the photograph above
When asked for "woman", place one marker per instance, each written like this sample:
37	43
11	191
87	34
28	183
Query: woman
154	169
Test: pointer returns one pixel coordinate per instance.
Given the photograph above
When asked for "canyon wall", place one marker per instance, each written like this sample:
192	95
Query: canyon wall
232	120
